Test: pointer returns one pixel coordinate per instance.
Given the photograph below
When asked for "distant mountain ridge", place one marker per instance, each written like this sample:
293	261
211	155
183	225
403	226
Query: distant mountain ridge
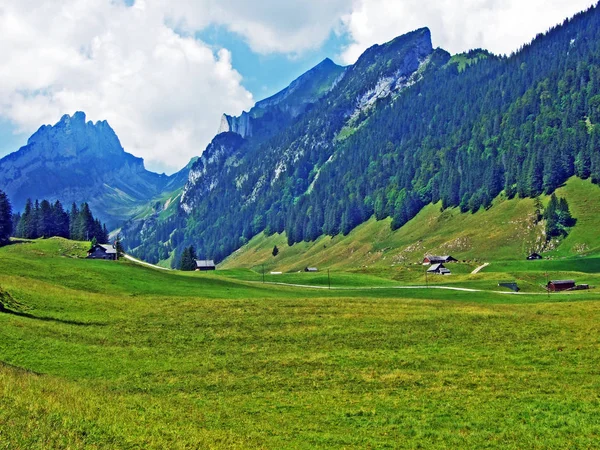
405	127
79	161
287	104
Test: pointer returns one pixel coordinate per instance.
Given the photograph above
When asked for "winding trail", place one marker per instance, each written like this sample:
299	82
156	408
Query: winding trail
446	288
143	263
366	288
479	269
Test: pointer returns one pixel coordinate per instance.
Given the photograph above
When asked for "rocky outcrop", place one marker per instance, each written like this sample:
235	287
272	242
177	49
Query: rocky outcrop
205	174
241	125
276	111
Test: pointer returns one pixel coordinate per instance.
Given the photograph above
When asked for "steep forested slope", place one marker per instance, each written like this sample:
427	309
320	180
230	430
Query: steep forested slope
404	127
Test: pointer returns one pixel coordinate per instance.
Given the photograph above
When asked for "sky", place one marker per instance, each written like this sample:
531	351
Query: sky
162	72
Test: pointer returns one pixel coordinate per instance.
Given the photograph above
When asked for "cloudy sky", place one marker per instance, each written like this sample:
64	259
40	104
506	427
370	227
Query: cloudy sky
163	71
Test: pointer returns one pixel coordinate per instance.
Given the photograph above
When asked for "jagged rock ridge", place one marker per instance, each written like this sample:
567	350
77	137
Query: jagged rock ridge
75	161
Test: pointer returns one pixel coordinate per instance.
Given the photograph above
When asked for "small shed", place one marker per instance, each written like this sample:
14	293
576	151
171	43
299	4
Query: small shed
534	257
432	259
561	285
102	251
439	269
204	265
311	269
512	286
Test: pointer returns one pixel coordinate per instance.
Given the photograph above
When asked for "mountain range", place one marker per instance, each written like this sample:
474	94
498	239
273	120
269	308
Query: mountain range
406	126
79	161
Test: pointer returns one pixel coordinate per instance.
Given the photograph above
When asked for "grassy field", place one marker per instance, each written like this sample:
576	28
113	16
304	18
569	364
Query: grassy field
98	354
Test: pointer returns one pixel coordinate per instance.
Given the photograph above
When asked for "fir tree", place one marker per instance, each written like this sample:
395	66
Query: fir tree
6	223
188	259
119	246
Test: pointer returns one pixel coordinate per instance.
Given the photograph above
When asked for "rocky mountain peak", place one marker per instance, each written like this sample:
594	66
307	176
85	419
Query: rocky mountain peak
78	160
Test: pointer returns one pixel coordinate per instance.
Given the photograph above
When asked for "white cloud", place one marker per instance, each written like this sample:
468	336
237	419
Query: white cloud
162	93
269	26
501	26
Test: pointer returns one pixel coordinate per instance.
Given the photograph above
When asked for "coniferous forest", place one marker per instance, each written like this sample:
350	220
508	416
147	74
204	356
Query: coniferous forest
44	219
519	124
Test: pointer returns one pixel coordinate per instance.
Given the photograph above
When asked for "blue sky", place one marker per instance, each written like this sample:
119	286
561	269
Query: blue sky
263	75
162	72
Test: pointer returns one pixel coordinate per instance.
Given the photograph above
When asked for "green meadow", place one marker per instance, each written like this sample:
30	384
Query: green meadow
98	354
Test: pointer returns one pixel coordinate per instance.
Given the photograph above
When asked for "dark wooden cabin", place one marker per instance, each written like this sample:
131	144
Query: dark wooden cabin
102	251
431	259
205	265
561	285
439	269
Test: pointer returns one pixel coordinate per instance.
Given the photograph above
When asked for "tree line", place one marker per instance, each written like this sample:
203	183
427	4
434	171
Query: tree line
44	219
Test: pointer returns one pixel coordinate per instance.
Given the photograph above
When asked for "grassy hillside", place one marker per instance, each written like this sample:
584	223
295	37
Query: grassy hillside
506	231
99	354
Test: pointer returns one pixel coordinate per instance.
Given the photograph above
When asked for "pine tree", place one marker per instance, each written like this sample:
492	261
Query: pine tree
27	227
85	225
104	238
61	220
275	251
558	217
16	219
45	220
188	259
6	223
74	223
35	220
119	246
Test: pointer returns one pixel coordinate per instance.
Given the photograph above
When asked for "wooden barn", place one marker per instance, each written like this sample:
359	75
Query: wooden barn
534	257
561	285
439	269
205	265
431	259
102	251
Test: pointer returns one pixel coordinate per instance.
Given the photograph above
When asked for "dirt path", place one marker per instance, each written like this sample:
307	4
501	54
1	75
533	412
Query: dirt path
447	288
479	269
137	261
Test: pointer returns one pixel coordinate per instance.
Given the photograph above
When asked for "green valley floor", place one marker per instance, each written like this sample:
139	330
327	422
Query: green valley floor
97	354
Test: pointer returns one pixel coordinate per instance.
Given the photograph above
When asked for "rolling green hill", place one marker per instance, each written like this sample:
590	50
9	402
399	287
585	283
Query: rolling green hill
98	354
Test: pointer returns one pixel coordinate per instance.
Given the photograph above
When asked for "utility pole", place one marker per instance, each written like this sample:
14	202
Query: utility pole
426	278
263	270
328	279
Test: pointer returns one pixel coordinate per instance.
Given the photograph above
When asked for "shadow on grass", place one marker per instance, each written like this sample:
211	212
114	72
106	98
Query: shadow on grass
16	241
18	369
4	310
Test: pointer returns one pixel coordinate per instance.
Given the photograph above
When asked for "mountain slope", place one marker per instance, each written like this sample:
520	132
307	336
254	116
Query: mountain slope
77	161
507	231
243	171
406	127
